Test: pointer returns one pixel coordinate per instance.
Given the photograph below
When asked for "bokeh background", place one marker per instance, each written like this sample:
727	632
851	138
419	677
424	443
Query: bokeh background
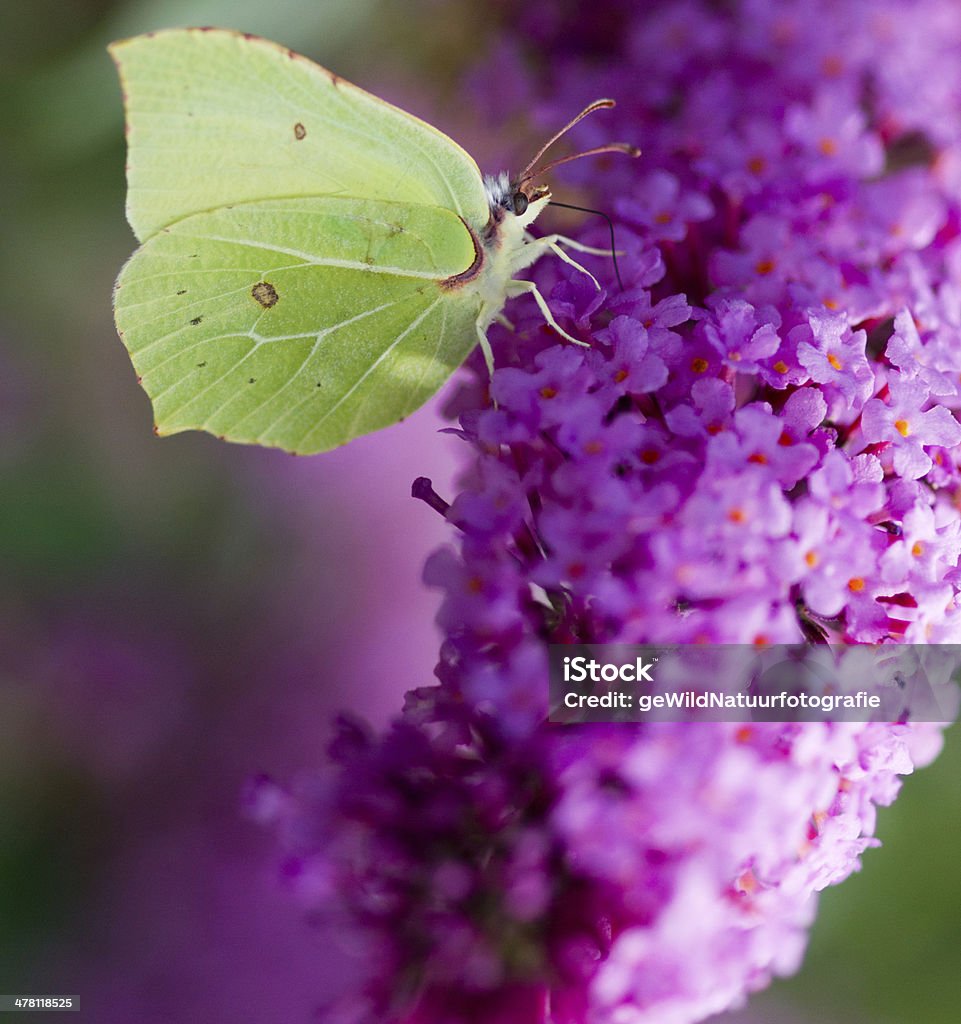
178	615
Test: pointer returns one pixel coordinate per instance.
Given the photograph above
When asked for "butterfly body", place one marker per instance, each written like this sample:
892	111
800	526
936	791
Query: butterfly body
314	262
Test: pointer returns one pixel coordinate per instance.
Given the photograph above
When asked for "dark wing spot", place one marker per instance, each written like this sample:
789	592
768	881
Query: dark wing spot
196	320
265	293
300	131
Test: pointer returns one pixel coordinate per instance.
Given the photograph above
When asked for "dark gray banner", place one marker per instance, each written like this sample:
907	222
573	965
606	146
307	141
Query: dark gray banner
742	683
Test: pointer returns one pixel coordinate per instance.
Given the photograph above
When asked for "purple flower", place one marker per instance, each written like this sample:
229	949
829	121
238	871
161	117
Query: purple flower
709	412
662	209
832	135
743	163
487	870
742	334
767	259
761	439
735	459
534	401
907	427
836	356
927	548
938	370
634	367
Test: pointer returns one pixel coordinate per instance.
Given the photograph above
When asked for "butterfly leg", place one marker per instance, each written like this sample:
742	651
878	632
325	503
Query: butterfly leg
529	288
556	242
485	348
558	251
536	247
571	243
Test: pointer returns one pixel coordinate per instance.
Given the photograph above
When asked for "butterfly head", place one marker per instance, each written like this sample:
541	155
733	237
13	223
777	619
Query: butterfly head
522	198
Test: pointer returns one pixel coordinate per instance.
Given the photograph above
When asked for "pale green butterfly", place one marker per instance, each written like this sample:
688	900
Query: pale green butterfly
314	262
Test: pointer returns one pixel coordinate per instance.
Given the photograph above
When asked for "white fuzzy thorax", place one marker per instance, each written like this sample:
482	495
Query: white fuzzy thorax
498	189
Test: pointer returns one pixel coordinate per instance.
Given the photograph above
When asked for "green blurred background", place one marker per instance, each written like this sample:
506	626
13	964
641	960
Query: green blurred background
175	615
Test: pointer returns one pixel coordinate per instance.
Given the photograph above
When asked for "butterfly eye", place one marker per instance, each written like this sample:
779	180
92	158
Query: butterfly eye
519	203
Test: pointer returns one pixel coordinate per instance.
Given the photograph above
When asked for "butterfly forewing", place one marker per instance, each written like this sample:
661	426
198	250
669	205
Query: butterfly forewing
216	118
299	323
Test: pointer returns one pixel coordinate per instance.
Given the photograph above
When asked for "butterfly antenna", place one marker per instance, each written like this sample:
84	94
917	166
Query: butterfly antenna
528	173
610	224
611	147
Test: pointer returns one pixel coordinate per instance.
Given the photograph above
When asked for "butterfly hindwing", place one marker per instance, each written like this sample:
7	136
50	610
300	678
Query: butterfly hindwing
216	118
299	323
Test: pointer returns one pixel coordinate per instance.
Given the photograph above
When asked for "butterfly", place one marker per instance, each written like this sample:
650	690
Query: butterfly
314	263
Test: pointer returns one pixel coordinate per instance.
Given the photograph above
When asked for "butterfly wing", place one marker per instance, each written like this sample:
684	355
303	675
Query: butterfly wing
299	323
217	118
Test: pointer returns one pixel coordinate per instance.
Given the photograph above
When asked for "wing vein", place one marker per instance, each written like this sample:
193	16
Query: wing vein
320	336
373	366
